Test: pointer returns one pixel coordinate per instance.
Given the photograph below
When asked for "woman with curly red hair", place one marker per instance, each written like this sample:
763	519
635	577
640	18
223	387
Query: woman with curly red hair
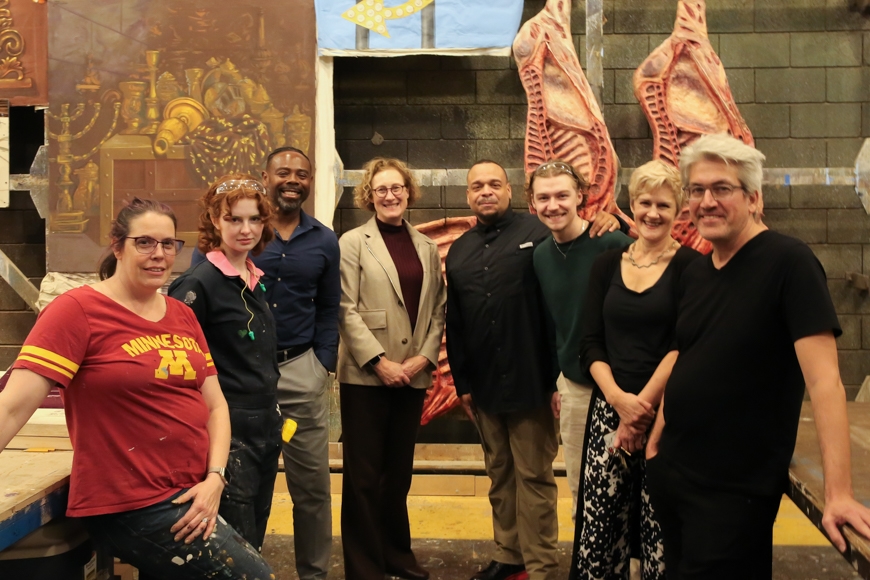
225	293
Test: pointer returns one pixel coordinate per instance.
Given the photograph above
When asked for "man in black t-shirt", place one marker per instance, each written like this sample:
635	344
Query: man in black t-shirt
756	324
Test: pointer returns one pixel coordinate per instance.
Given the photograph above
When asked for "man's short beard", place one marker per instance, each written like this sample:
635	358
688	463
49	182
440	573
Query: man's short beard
288	206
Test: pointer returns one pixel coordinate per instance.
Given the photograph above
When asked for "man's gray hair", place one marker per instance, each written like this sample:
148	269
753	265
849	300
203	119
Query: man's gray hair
731	151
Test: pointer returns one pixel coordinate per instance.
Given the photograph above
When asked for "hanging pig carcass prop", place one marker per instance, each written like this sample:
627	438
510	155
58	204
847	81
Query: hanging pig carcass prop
564	119
441	397
684	92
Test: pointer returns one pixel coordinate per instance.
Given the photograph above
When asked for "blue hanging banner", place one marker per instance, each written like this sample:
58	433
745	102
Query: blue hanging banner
416	25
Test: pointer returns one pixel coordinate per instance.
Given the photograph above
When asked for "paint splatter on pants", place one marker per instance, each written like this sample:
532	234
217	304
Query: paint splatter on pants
615	506
251	470
142	538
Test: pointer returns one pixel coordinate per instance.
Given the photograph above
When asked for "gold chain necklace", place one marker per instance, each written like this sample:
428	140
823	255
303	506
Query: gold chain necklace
671	246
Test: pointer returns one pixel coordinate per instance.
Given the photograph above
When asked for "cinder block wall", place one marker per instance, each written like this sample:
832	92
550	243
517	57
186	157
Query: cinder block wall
799	71
22	239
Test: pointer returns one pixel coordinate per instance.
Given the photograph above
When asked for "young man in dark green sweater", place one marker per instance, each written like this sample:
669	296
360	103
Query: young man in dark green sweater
557	192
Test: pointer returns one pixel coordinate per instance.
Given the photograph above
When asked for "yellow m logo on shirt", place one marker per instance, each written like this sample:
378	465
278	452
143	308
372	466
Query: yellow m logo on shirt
174	362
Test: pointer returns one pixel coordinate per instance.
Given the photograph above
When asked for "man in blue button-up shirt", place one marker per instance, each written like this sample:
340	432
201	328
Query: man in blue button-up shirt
303	289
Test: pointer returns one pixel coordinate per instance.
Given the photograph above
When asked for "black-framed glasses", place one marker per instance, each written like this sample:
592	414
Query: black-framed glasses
717	190
147	245
394	189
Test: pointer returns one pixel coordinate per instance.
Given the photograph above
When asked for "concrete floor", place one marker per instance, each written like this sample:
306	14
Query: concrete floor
459	559
452	539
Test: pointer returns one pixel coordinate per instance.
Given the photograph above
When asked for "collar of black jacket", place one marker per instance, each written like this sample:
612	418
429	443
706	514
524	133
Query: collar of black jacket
499	224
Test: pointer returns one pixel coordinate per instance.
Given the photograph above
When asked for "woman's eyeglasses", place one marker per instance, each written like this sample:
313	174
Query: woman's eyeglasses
394	189
147	245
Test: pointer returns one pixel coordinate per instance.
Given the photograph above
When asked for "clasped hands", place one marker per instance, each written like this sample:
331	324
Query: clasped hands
635	418
394	374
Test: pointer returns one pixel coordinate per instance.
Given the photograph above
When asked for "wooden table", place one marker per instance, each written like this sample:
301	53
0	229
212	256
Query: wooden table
807	483
34	484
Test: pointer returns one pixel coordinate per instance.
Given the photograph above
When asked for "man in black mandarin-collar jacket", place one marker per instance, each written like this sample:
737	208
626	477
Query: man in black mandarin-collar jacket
501	347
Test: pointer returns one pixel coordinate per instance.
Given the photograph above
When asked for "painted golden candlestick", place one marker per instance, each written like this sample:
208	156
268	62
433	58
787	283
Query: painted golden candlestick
152	103
67	218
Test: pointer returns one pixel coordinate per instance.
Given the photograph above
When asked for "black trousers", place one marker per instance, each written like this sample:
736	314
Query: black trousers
251	470
379	430
711	534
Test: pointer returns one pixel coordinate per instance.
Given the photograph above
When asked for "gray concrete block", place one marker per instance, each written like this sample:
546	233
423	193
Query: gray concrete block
30	258
824	197
475	62
865	332
21	200
839	17
500	87
518	118
399	64
726	16
16	326
842	153
507	152
767	121
441	87
848	226
356	153
424	216
810	49
847	84
624	87
826	120
476	122
851	337
625	50
8	354
10	300
754	50
408	122
793	152
647	17
430	198
633	152
742	83
854	366
442	153
837	259
792	15
790	85
21	227
607	92
352	218
361	87
847	300
626	122
808	225
865	120
455	198
354	122
866	259
776	196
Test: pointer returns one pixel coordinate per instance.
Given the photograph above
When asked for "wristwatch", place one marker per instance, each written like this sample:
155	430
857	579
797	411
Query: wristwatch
221	471
374	362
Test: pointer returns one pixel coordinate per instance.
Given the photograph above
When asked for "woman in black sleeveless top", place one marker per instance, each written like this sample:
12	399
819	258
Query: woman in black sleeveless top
627	348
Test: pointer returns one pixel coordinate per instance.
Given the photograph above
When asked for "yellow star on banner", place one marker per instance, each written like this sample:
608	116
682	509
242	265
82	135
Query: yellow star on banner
372	14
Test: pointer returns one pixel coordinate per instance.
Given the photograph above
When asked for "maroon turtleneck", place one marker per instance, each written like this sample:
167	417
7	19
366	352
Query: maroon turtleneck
407	262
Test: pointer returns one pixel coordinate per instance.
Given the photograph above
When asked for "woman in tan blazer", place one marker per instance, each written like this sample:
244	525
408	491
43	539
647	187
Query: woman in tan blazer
391	321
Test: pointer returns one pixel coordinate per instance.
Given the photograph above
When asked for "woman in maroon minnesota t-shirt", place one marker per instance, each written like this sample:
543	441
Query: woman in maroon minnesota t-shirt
147	420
